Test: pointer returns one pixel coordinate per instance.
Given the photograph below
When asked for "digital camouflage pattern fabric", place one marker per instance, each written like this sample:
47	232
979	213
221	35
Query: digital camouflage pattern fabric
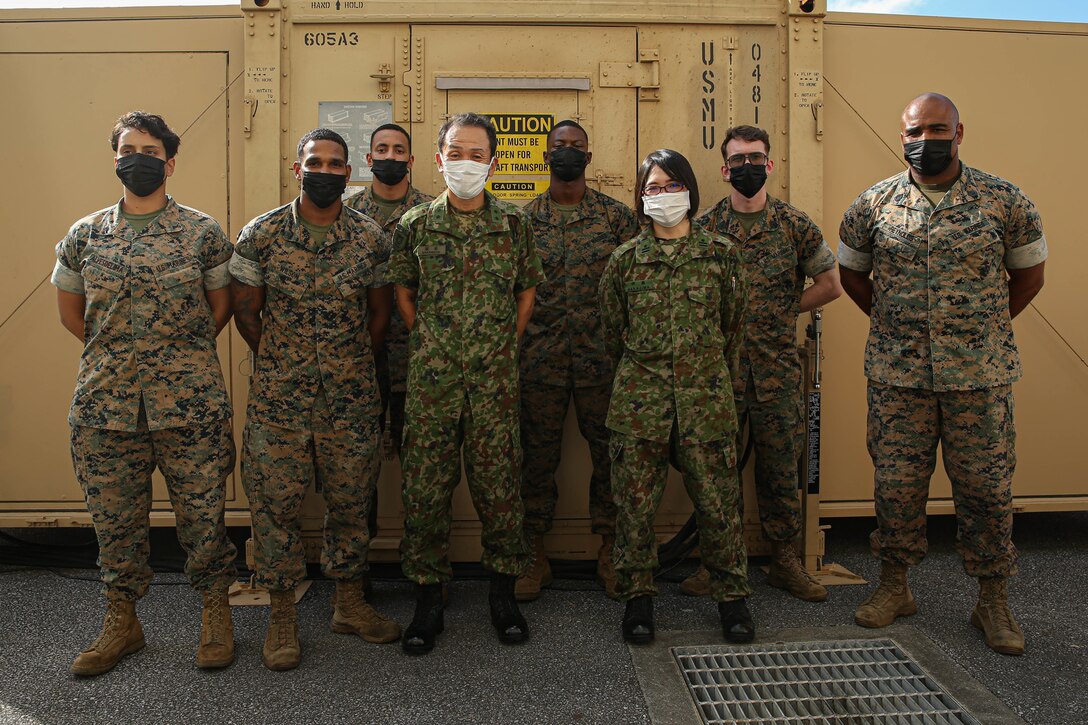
563	344
314	331
150	336
114	469
463	377
563	355
940	316
279	465
313	397
779	252
978	444
674	324
639	471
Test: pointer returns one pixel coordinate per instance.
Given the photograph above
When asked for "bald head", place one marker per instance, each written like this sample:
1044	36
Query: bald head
931	135
931	104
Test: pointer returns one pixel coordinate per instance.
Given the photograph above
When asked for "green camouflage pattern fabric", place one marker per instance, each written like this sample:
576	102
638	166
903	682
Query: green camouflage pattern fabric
776	427
463	378
395	366
150	335
114	469
278	466
781	250
563	344
543	414
314	331
978	444
940	316
639	471
674	323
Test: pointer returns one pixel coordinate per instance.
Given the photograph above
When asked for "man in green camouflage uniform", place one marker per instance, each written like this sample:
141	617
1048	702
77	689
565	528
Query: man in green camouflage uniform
385	201
563	354
308	300
143	284
955	254
466	270
672	309
781	246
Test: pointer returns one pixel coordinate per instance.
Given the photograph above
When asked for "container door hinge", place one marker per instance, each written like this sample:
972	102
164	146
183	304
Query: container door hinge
643	74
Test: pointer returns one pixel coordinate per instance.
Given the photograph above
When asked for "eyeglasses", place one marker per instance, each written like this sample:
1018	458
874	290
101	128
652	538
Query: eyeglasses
755	158
670	188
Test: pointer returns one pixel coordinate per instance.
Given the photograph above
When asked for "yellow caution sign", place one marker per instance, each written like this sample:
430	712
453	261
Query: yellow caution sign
521	170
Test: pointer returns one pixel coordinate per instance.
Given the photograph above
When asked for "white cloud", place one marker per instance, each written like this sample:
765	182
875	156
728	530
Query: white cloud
874	6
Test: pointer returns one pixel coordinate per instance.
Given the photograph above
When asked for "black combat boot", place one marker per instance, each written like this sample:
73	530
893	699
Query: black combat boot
427	623
737	624
638	620
505	614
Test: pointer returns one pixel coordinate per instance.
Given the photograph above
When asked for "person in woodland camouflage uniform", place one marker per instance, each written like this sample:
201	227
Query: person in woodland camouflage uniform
954	254
385	201
563	354
672	310
308	300
781	247
466	271
143	285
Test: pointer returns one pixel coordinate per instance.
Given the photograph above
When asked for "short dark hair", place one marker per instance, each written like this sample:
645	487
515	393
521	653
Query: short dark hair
323	134
677	167
390	127
149	123
566	123
746	133
469	119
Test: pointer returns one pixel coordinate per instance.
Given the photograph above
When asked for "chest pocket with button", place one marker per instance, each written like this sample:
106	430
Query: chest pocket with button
182	291
498	288
437	280
646	321
705	310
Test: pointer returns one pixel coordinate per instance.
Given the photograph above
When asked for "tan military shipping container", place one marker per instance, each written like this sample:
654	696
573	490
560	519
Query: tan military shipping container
243	86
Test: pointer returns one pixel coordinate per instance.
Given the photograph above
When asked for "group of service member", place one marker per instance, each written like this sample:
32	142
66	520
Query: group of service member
662	328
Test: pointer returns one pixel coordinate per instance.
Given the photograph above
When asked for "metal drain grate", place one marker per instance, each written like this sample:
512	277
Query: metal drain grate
846	682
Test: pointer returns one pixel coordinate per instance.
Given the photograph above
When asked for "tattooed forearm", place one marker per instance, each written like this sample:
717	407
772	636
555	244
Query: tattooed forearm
247	303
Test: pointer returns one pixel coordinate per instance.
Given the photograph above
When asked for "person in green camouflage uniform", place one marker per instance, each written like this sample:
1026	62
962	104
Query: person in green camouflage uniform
385	201
466	270
143	284
954	253
308	300
672	312
563	354
781	246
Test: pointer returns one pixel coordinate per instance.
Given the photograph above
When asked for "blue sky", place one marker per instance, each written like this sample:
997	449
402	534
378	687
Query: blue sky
1069	11
1075	11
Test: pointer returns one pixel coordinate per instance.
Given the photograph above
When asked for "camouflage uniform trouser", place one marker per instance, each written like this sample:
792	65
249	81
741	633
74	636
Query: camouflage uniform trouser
114	468
279	464
431	463
776	428
977	437
639	472
543	413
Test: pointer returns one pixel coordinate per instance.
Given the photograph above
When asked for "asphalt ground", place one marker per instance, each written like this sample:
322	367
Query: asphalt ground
575	668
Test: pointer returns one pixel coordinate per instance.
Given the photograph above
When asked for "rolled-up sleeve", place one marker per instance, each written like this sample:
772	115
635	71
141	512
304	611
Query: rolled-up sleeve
65	272
244	264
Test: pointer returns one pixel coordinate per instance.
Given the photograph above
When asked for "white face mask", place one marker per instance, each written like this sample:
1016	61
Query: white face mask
666	209
465	179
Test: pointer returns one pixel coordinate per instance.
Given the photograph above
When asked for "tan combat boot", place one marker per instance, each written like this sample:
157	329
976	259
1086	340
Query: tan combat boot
216	632
527	588
121	635
352	615
787	573
698	584
606	571
890	600
281	648
993	616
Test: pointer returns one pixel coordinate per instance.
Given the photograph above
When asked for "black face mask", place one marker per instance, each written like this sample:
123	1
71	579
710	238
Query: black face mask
389	171
748	179
141	174
928	157
323	189
567	162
